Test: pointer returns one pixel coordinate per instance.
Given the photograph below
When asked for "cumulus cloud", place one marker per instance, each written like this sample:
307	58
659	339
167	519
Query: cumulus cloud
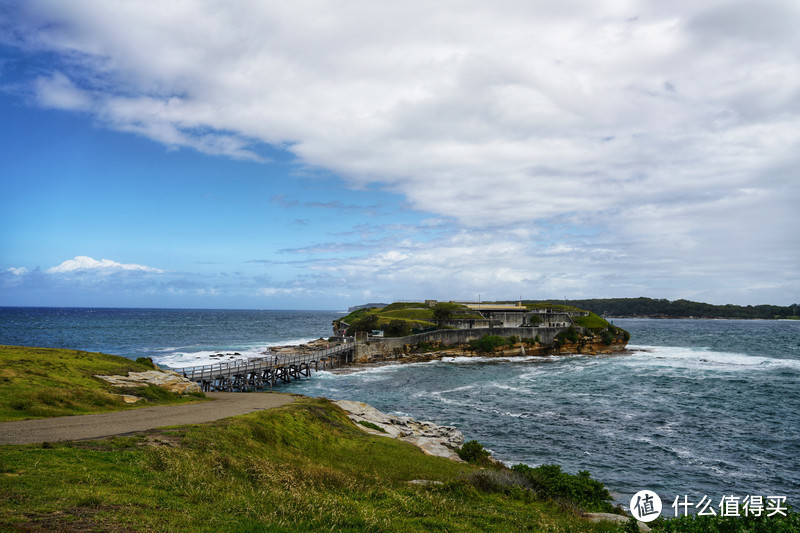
670	125
83	263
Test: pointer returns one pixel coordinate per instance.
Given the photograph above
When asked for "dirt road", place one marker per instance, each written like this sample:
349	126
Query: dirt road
81	427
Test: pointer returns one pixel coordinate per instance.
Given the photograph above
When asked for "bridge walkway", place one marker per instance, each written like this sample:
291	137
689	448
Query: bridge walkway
266	372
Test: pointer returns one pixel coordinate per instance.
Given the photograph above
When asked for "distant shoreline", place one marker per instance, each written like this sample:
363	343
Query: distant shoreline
661	317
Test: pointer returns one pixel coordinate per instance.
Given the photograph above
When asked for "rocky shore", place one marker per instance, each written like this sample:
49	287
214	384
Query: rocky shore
433	439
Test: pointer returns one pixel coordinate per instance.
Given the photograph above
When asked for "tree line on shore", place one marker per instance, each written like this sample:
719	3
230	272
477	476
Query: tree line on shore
663	308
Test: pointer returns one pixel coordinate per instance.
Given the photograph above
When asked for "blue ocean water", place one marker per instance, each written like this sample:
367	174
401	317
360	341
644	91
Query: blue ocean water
696	407
172	337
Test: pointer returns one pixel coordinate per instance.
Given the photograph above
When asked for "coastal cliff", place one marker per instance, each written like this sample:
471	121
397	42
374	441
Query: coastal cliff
505	342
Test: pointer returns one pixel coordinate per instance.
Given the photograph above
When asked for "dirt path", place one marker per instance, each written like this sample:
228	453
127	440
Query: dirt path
83	427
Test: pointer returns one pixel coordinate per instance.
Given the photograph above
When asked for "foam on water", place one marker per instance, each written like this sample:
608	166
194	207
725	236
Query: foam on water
182	357
704	358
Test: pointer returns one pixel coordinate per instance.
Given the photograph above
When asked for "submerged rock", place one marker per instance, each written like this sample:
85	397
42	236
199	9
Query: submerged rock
433	439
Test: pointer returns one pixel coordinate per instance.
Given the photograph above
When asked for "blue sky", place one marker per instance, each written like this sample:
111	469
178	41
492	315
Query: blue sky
266	155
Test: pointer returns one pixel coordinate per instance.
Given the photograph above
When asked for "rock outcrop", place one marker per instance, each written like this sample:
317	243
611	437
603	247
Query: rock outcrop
167	379
299	349
433	439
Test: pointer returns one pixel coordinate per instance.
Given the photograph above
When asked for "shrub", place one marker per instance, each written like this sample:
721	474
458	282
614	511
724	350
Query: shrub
504	481
473	452
578	489
425	346
397	328
569	334
366	323
370	425
488	343
443	311
607	337
146	361
534	320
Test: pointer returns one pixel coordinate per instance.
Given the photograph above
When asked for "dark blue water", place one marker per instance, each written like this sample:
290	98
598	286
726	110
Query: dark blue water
698	407
173	337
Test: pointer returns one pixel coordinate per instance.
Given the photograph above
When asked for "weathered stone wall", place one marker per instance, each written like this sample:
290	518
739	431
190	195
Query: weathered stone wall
379	348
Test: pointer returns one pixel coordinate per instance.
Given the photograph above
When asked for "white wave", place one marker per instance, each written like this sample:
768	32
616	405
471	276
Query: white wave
201	358
183	357
705	359
289	342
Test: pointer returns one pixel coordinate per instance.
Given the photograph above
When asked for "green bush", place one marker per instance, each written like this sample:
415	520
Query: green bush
473	452
734	524
146	361
607	337
366	323
397	328
488	343
569	334
578	489
425	346
370	425
444	311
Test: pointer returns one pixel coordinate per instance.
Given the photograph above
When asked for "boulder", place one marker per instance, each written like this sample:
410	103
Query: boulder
167	379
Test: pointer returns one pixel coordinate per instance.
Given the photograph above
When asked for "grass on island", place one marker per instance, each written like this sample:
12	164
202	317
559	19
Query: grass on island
45	382
301	467
593	322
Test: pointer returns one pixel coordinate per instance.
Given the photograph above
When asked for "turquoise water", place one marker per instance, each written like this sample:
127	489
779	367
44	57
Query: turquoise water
696	407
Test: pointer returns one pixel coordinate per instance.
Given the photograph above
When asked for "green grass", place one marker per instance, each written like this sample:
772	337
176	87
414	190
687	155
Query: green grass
404	305
593	321
301	467
45	382
409	314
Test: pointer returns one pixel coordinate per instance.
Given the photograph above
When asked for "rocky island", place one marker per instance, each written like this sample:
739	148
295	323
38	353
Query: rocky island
416	331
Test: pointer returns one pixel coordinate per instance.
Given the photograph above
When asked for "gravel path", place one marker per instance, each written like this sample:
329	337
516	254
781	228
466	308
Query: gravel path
81	427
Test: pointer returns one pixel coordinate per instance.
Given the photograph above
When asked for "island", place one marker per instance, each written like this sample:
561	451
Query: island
429	329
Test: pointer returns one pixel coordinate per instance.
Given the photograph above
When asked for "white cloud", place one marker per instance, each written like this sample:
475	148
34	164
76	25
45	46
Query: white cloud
21	271
58	91
668	126
84	263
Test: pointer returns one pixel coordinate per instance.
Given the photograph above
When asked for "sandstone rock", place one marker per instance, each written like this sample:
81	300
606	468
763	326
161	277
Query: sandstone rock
433	439
167	379
127	398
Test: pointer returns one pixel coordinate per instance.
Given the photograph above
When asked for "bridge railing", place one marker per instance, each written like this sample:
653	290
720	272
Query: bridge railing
216	370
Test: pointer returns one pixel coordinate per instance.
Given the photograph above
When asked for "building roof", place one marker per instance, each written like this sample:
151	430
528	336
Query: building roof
497	307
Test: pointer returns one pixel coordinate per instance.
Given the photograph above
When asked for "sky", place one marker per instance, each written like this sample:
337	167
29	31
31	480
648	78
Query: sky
316	155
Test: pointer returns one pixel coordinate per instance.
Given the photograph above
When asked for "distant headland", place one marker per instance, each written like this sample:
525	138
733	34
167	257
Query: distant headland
663	308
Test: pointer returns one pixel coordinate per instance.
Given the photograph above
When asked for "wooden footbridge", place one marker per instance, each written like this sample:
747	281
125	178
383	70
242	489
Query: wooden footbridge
266	372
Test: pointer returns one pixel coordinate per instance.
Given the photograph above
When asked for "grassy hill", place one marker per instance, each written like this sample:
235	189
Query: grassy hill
302	467
44	382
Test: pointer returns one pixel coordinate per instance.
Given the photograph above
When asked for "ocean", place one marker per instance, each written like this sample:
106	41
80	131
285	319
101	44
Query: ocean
694	408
